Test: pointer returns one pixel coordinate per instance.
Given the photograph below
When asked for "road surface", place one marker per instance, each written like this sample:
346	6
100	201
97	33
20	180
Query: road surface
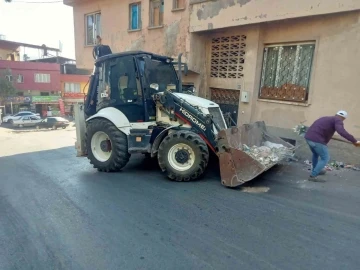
57	212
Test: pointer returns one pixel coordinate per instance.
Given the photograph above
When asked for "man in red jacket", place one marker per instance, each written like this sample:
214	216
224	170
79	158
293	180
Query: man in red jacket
318	136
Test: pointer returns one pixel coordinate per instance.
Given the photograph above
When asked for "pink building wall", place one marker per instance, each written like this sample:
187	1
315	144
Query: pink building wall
28	70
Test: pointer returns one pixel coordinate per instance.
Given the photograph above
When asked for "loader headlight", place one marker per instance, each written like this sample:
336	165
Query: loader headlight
154	86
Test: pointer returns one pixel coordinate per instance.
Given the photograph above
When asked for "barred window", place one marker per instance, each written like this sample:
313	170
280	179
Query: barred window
286	72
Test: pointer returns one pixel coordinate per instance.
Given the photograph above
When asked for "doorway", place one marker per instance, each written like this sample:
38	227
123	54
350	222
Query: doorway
228	100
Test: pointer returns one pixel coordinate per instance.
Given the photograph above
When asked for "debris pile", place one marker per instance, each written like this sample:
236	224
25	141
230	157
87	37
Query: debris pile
269	153
335	165
300	130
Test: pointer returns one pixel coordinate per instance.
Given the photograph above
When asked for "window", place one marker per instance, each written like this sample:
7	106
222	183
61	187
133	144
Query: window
20	94
178	4
9	78
286	72
135	16
93	26
42	78
156	13
44	94
72	88
20	78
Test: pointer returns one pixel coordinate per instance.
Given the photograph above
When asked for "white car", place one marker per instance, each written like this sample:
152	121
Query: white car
27	121
11	118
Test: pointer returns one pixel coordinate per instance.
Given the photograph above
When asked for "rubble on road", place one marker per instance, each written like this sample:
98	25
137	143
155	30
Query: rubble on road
335	165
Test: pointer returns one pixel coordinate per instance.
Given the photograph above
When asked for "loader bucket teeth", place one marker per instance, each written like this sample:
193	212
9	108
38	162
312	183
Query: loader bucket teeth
237	166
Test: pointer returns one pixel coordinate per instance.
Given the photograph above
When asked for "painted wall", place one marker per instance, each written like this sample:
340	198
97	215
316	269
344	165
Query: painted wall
28	70
335	76
334	81
170	40
217	14
70	78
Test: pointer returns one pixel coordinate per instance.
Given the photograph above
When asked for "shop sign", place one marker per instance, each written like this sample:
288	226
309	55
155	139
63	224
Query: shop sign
19	99
73	95
45	99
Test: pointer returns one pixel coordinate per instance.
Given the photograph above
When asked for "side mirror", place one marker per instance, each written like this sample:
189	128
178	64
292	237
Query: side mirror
191	90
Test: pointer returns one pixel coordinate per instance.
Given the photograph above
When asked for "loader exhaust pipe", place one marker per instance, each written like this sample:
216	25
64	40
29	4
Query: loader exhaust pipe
180	72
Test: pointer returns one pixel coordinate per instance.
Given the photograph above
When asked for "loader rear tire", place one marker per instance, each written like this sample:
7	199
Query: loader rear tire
106	145
183	156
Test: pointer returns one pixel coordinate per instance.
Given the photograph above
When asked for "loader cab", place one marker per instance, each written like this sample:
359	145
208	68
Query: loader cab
127	81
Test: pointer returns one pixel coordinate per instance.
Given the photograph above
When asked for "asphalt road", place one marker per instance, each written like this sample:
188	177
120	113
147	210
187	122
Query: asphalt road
56	212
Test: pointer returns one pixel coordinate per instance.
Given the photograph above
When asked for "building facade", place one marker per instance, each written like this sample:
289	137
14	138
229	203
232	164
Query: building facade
37	85
74	88
286	63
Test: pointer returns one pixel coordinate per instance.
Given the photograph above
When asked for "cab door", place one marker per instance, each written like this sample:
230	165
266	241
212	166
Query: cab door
125	89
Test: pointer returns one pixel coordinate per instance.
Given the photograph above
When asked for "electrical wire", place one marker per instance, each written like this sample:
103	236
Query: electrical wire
26	2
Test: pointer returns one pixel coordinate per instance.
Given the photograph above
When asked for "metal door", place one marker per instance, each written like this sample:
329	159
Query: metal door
228	101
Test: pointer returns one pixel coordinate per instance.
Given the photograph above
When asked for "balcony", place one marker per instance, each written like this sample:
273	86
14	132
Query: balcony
217	14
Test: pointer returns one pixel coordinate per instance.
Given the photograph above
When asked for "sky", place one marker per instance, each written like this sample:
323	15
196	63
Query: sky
37	23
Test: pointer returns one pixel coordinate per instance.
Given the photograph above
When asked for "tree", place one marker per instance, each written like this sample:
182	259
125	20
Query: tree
7	89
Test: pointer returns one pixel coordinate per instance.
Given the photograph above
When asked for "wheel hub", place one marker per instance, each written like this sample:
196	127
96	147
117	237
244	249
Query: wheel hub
101	146
105	146
182	156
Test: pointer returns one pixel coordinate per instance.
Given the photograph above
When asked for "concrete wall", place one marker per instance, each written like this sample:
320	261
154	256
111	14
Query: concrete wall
170	40
216	14
334	78
5	54
334	83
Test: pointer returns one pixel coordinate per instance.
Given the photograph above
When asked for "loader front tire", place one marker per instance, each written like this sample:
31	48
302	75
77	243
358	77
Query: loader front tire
183	156
106	145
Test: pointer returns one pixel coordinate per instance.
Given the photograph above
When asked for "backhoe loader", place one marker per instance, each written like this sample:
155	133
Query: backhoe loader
135	104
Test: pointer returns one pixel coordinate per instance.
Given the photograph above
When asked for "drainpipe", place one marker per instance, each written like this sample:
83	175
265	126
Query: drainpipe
180	72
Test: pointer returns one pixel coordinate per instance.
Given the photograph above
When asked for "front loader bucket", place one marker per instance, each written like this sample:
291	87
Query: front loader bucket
239	154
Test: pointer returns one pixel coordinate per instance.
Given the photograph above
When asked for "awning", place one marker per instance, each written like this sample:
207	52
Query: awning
46	103
45	99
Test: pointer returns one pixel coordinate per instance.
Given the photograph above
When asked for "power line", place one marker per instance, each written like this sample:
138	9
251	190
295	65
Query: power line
26	2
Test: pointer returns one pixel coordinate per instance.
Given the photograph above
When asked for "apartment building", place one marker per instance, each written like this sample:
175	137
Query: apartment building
73	82
37	85
284	62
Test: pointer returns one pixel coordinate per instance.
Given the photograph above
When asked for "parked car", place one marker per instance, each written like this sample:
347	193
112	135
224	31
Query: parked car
26	121
53	122
17	116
